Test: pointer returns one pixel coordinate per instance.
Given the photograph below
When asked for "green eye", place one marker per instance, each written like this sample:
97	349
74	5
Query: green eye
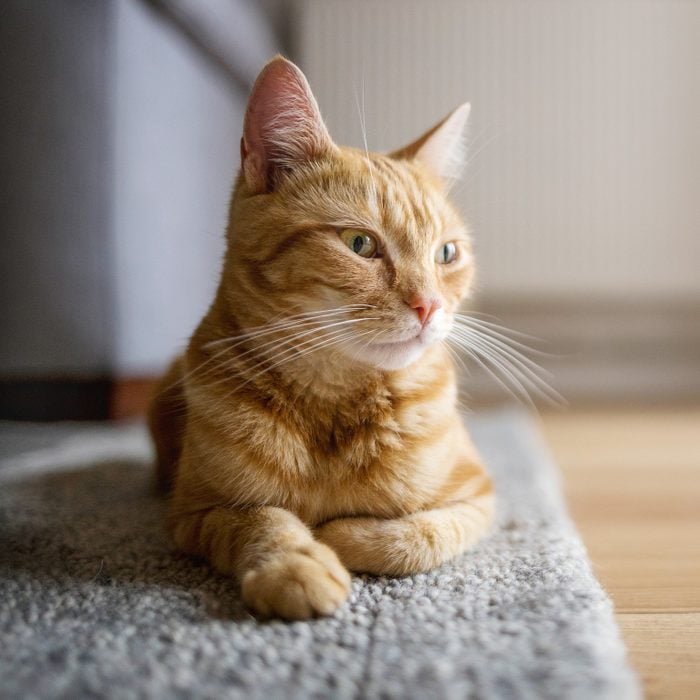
446	254
359	242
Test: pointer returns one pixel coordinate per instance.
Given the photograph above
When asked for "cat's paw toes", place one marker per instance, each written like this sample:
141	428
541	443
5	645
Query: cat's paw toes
306	582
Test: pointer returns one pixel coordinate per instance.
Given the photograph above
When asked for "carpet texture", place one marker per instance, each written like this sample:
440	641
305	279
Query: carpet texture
95	603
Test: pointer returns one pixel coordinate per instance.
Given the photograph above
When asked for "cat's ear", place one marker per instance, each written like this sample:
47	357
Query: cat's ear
442	149
282	126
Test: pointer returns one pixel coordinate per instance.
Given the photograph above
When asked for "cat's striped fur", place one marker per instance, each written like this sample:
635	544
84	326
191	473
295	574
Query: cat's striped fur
296	451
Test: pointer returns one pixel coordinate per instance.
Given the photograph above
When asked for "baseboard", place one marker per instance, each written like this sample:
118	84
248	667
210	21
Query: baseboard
130	397
42	399
74	398
607	351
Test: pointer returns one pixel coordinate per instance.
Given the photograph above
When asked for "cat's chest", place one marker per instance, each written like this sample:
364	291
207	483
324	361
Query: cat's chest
343	464
327	444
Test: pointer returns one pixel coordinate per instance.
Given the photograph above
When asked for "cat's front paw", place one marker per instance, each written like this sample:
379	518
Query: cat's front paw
298	584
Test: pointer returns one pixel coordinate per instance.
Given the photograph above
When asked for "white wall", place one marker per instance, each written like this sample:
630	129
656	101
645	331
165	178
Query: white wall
586	148
177	126
119	144
55	282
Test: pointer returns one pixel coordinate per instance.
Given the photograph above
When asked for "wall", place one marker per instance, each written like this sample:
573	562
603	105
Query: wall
585	146
582	183
177	126
119	147
55	281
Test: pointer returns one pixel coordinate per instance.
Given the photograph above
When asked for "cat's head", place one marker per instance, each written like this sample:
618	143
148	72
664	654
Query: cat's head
364	250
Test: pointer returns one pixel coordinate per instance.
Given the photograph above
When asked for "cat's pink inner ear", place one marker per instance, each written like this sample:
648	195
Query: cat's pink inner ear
283	125
442	149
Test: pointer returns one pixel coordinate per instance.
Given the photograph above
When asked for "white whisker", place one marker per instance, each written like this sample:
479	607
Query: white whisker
378	334
290	322
498	362
363	128
309	316
340	336
267	329
315	329
456	356
506	346
504	330
482	363
460	387
503	346
287	353
501	352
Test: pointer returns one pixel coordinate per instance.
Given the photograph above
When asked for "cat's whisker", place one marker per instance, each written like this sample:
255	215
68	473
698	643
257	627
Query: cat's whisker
336	338
304	315
277	345
351	335
507	345
517	367
504	368
523	377
460	387
368	342
471	142
187	375
290	352
500	333
472	173
378	335
498	328
237	340
523	370
476	356
328	337
315	329
524	364
230	364
288	321
504	347
363	128
297	350
456	356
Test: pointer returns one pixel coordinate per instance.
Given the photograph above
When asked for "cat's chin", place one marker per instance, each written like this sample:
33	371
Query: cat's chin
391	356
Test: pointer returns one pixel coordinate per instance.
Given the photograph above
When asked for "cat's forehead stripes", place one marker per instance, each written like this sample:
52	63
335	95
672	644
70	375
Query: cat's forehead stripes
376	193
390	196
404	200
352	205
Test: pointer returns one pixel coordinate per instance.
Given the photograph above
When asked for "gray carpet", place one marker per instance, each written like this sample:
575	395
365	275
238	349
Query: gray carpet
94	602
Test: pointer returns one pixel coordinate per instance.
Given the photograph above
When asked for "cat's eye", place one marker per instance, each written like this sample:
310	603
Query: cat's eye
359	242
446	253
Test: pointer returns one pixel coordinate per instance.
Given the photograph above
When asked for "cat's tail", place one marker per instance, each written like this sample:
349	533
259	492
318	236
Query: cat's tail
167	414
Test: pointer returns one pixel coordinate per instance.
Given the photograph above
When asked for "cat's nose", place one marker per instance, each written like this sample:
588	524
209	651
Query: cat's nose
425	306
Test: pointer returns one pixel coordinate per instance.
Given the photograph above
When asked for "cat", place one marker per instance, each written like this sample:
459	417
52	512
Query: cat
311	427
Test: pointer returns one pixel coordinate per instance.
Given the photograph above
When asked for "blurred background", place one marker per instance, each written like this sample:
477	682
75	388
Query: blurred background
119	143
119	129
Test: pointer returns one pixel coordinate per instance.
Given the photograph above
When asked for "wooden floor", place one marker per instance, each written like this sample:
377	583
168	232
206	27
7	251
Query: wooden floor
632	481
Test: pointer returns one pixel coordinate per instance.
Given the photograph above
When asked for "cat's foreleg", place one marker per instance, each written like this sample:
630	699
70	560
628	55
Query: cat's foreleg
283	571
410	544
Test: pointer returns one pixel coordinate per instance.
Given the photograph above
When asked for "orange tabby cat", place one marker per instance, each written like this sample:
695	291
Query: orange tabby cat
311	426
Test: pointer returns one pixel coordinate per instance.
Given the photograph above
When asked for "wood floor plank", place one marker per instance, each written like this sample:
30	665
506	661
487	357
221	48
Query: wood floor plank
632	480
666	650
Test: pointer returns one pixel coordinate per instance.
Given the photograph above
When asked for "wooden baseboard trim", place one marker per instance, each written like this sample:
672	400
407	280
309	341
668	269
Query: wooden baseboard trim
130	397
55	399
607	352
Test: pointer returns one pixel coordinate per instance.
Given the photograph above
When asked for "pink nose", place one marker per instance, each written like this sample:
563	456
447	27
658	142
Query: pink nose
425	306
